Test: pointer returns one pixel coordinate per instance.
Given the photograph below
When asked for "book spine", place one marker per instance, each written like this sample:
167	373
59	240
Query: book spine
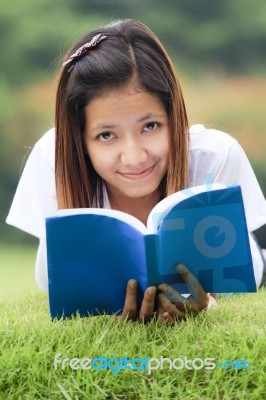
151	247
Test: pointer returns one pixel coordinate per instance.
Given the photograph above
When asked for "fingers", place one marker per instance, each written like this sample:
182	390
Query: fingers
147	306
199	299
130	305
166	318
167	310
195	288
172	306
130	310
183	304
212	302
172	295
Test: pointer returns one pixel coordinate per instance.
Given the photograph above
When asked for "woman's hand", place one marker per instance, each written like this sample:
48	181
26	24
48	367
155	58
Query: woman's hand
146	311
173	307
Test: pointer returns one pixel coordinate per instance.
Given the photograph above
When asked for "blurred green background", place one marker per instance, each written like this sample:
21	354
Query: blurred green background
218	48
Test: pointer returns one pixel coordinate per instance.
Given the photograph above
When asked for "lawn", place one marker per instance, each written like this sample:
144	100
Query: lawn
30	342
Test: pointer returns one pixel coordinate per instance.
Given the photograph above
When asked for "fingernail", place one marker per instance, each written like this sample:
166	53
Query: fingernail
132	283
163	287
180	268
152	290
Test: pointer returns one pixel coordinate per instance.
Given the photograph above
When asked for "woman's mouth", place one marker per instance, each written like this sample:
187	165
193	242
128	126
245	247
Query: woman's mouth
138	174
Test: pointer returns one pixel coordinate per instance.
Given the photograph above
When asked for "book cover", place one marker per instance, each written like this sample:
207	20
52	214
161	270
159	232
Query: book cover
92	253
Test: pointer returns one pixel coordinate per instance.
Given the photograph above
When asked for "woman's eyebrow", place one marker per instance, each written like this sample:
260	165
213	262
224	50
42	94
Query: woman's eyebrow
150	115
102	126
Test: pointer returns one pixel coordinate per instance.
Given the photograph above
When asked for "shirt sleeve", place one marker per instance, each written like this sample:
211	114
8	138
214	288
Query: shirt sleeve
236	169
35	197
41	269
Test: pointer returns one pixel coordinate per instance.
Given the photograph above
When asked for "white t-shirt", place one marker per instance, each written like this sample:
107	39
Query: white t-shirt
214	156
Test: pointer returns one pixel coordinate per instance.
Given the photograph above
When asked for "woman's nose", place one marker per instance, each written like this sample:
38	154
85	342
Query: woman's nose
133	153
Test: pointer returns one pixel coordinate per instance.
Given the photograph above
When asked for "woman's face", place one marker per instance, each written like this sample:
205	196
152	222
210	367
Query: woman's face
127	141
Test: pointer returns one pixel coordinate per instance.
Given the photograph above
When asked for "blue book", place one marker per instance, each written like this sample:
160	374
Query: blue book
92	253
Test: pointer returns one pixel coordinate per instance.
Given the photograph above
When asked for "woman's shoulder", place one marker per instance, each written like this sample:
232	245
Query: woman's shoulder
47	140
45	147
203	139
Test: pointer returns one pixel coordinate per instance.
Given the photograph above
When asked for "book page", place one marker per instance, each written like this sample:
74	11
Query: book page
127	218
164	206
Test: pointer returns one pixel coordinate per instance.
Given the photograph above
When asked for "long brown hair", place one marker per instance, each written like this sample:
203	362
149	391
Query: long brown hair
130	53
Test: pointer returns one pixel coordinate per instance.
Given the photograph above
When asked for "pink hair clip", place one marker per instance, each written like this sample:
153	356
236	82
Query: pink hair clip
83	49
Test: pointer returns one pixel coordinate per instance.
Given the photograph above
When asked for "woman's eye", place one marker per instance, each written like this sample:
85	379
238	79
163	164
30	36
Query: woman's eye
104	137
151	126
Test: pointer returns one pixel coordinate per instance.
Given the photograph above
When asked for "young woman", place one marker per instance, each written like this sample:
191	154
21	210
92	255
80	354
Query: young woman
122	140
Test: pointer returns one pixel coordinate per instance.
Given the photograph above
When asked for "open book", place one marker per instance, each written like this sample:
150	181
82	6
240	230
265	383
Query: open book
92	253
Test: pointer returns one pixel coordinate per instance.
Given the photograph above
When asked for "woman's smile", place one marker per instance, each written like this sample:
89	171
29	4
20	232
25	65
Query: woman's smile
138	174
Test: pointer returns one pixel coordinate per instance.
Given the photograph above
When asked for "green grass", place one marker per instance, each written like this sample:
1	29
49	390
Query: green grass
29	341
